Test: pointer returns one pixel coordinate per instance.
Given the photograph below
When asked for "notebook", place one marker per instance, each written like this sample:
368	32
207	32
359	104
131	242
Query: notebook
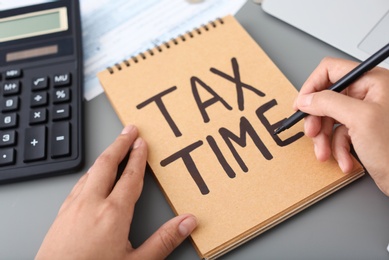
357	27
208	103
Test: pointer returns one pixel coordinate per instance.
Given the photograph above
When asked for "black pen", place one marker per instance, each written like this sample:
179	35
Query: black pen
341	84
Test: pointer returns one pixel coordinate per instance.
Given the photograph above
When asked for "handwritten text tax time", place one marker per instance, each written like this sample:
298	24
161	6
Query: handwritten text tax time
246	129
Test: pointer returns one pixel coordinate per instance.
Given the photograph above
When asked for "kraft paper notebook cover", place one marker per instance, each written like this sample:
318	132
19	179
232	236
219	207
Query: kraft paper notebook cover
208	103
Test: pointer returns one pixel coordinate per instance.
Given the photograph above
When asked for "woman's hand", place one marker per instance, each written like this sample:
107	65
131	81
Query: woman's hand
362	110
94	221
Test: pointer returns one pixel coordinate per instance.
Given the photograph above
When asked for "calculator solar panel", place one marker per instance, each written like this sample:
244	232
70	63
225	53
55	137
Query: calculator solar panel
41	91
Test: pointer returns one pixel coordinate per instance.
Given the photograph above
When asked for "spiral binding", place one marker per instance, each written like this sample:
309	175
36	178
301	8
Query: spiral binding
165	45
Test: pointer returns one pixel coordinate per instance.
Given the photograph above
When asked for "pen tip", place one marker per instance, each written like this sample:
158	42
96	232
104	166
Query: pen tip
279	130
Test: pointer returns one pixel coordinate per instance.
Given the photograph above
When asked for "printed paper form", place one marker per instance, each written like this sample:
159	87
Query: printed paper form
117	30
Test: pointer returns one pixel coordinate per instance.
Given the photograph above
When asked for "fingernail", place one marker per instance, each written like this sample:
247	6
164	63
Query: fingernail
341	166
127	129
305	100
187	226
137	143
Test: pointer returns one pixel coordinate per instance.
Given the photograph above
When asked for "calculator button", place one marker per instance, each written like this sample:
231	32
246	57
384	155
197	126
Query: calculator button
61	95
61	112
7	156
8	120
38	116
39	99
13	74
35	143
10	104
7	138
11	87
60	143
62	79
39	83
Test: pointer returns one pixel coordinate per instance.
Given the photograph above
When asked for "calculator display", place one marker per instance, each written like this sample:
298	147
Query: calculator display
33	24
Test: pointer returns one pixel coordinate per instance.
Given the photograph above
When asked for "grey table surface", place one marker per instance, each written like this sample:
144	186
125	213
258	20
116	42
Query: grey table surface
353	223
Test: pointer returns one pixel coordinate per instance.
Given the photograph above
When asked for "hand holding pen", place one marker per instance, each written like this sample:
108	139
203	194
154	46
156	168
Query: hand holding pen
361	110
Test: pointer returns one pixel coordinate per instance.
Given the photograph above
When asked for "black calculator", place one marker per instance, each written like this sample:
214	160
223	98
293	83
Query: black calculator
41	90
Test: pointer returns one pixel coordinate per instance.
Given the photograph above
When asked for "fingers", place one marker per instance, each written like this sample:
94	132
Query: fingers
341	149
326	73
323	107
322	140
103	173
129	187
328	106
167	237
343	109
312	125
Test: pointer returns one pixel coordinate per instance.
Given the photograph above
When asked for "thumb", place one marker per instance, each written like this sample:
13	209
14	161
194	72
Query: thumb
340	107
167	237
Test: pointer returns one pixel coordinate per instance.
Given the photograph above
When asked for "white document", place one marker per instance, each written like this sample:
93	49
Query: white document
7	4
116	30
